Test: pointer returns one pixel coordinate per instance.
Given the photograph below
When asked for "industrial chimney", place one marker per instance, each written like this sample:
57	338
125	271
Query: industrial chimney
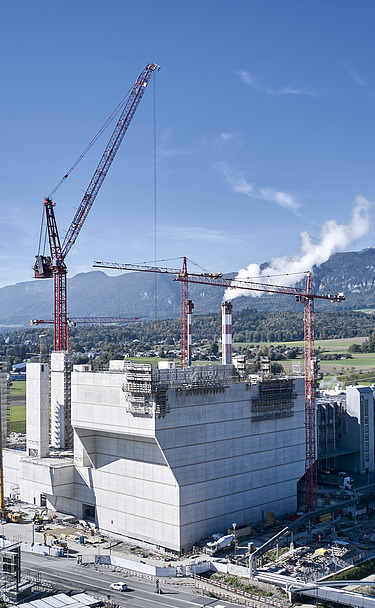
190	308
226	337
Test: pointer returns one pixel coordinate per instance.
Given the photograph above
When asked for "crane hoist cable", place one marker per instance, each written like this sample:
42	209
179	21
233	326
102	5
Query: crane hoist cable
109	120
54	265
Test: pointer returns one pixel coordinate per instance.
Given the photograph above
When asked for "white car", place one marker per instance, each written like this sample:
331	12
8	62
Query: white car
119	586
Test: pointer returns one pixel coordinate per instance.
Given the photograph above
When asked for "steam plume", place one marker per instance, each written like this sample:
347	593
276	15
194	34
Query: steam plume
333	237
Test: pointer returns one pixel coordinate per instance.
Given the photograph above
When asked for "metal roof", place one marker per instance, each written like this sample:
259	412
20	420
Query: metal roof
61	600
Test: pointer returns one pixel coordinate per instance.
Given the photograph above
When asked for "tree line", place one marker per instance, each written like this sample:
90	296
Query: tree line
249	326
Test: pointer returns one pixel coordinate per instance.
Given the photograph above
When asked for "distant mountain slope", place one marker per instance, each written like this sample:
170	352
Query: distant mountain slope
133	294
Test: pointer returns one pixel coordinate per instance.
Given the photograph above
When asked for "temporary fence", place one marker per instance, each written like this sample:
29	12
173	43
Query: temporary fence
257	598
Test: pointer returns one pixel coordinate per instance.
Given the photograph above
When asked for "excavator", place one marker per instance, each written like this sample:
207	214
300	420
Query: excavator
41	517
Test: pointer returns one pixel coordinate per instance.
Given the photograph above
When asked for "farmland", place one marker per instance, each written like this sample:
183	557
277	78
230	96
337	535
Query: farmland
358	367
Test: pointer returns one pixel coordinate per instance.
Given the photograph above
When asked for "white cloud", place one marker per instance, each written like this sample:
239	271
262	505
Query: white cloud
295	91
192	233
225	137
240	185
333	237
248	79
281	198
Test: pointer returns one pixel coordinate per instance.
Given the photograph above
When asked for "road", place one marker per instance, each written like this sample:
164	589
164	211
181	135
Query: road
65	575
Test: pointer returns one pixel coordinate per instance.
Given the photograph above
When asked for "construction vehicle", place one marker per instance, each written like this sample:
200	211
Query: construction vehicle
41	517
14	517
8	516
51	540
341	480
220	544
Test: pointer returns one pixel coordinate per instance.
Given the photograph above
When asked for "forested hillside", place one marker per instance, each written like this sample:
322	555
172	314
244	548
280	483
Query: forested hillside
249	325
145	295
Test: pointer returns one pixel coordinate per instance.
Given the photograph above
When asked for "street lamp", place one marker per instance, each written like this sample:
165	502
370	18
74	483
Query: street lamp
235	538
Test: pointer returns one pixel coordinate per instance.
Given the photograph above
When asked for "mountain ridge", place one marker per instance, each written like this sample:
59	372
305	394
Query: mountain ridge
157	296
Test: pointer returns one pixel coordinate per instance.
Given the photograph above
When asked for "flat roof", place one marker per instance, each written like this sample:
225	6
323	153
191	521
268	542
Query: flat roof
62	600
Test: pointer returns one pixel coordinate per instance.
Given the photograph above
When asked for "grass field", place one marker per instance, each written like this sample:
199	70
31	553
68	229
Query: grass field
337	346
364	362
17	419
359	363
18	388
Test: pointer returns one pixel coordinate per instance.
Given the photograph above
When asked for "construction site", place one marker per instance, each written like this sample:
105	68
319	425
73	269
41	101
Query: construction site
167	459
256	476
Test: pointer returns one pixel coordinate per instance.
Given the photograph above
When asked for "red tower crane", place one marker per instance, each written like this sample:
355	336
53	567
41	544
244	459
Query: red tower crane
186	304
304	296
54	265
73	321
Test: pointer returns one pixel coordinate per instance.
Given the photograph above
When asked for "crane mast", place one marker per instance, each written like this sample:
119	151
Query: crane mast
54	265
311	474
304	296
186	305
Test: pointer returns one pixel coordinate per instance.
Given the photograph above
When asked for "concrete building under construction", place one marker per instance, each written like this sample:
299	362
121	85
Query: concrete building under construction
163	456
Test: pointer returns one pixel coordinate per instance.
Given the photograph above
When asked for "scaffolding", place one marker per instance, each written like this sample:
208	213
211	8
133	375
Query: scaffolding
275	400
13	587
200	379
138	388
4	402
146	388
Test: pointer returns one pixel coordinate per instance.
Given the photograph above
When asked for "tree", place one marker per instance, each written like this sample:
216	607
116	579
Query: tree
213	348
354	348
276	368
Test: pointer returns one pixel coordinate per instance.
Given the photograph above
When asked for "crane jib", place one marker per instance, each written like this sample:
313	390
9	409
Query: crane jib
108	155
53	265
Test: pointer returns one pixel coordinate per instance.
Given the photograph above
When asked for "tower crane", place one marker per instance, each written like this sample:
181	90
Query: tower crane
73	321
186	305
54	265
306	297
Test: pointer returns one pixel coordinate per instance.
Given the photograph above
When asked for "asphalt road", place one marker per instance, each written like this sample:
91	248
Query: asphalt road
65	575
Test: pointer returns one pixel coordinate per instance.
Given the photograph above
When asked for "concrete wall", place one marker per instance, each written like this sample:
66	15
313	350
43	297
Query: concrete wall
360	407
173	479
99	403
53	477
37	409
12	469
228	467
172	475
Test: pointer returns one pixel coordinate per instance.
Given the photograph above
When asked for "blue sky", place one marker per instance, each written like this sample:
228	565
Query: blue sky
264	129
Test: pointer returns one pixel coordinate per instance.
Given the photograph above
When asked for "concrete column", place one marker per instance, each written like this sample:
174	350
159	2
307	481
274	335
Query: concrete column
37	409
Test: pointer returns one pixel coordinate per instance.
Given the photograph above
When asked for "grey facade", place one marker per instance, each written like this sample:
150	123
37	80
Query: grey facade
168	456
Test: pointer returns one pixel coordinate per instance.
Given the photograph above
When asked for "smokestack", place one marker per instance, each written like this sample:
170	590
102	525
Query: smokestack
226	337
190	308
